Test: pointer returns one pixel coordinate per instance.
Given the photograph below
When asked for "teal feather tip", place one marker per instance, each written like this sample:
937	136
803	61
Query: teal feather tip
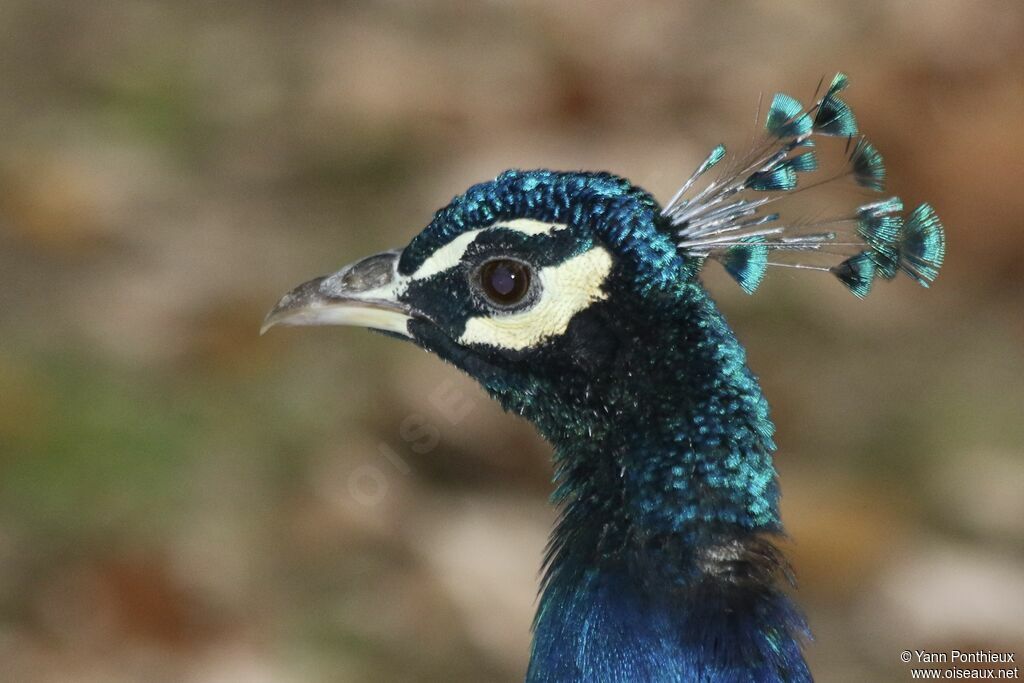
839	83
782	178
716	155
879	225
803	163
867	166
746	263
787	118
922	245
857	273
834	117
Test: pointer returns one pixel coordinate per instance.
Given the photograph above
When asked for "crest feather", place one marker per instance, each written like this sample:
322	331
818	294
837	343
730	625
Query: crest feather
724	219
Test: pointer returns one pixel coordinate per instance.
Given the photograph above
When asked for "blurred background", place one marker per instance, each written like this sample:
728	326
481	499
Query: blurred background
182	500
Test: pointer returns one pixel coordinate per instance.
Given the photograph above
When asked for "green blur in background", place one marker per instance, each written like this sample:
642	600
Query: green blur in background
182	500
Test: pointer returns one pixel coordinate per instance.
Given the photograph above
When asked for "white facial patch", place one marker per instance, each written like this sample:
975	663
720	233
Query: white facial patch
450	255
566	289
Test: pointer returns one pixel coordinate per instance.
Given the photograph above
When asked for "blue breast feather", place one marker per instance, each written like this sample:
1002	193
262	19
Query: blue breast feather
604	631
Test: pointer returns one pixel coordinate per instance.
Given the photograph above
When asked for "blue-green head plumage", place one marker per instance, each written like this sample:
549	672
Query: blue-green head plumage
593	206
574	299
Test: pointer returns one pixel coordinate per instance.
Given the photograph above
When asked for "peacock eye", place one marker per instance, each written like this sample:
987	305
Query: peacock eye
504	282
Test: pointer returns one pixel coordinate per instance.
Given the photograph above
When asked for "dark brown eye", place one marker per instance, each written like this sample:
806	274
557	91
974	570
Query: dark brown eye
504	281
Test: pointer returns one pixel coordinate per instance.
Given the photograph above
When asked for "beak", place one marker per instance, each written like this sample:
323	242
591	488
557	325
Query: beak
364	294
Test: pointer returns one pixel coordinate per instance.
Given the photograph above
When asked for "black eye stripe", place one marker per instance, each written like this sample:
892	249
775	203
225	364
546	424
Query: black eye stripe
541	250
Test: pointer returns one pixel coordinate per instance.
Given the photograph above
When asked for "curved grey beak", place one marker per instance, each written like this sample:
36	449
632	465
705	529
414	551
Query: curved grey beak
364	294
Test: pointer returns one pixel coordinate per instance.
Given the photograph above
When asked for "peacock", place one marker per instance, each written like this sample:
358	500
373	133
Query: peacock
574	299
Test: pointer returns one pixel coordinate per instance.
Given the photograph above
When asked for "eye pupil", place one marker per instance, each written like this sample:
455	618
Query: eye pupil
505	281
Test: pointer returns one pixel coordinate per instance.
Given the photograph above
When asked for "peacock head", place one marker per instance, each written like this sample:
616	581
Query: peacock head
545	285
531	283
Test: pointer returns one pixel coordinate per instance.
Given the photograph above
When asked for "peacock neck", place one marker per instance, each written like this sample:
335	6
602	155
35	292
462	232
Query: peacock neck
662	433
661	566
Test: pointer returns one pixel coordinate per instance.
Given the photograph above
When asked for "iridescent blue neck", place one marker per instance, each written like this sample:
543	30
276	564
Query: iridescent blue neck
606	626
661	566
